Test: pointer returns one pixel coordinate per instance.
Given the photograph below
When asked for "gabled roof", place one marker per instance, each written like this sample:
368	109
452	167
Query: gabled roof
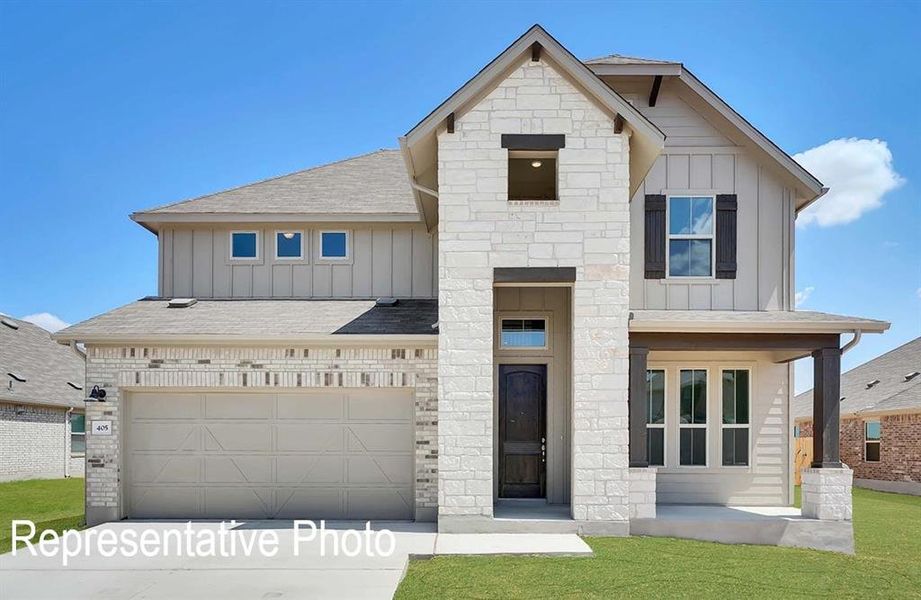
621	59
894	390
367	187
52	373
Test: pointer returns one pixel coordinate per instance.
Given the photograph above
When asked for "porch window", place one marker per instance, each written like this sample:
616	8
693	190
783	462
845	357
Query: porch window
872	440
735	426
690	236
692	426
655	417
77	434
524	333
532	175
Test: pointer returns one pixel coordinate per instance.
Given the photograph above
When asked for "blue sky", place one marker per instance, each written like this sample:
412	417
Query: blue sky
109	108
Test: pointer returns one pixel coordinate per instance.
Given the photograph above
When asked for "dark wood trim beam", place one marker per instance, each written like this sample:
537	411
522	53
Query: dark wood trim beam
808	342
826	408
636	406
618	124
535	52
654	92
527	141
534	274
450	123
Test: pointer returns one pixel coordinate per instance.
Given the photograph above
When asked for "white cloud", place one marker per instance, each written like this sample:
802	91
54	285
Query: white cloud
47	321
858	172
803	295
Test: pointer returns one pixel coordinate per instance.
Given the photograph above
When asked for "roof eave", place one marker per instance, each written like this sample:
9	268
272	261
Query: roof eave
149	220
339	339
838	327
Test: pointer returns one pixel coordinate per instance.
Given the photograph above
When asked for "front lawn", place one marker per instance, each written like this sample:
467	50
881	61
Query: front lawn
887	529
50	503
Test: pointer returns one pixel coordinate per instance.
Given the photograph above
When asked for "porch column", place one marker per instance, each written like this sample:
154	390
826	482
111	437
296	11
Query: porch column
826	409
637	406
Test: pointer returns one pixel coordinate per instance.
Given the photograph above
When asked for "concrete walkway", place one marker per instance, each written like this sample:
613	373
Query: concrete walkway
310	574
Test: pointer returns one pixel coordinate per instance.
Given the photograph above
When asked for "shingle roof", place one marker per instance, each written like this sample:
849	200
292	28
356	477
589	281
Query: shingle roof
375	183
268	320
30	353
620	59
893	392
740	321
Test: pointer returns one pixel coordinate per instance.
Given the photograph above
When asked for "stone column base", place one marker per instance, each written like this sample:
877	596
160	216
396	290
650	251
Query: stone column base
827	494
643	493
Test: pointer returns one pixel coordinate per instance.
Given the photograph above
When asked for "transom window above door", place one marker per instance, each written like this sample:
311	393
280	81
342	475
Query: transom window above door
690	236
523	333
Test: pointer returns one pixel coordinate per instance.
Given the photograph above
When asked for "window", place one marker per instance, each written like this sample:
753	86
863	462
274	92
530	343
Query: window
872	439
532	175
735	426
289	245
334	245
690	236
692	425
797	431
243	245
77	434
523	333
655	417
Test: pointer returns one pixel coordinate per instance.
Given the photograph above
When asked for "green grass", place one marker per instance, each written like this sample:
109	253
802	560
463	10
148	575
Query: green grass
887	530
50	503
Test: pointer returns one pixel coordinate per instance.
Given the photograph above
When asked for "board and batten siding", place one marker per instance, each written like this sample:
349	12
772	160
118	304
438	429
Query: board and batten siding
385	260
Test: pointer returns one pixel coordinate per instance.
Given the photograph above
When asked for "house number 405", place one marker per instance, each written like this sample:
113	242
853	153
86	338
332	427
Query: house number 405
102	428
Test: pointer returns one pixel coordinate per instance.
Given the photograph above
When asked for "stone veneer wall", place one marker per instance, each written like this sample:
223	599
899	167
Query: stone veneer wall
35	443
587	228
254	368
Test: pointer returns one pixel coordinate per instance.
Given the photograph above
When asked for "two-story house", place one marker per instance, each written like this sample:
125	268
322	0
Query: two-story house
564	304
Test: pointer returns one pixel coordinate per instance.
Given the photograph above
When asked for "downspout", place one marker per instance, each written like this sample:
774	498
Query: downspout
853	341
67	442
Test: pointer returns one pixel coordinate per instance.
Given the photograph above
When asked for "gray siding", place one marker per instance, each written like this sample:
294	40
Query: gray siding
386	260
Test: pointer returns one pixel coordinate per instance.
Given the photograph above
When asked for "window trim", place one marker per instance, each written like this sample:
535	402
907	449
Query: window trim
335	259
664	425
528	154
250	259
548	331
681	236
705	426
303	254
70	445
867	442
748	426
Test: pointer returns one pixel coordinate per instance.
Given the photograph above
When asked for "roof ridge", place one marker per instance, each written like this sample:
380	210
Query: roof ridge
631	57
266	180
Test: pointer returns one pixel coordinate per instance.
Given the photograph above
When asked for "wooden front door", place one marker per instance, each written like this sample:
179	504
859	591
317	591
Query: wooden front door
522	431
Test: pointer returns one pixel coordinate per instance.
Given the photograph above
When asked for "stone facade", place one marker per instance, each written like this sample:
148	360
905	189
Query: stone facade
35	443
900	447
643	493
147	368
587	228
827	494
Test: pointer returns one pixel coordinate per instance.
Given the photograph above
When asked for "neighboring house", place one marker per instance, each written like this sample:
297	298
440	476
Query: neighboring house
880	420
593	263
41	404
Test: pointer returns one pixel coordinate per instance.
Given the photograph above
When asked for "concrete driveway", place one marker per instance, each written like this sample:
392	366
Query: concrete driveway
284	576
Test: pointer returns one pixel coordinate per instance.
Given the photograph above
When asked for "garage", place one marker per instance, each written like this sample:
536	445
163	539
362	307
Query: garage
324	454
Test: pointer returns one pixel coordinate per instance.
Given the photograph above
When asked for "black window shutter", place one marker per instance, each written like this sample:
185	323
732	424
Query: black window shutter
726	235
655	236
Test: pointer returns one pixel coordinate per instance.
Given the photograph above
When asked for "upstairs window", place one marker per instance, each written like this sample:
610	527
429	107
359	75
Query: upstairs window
334	245
872	440
690	236
244	245
532	175
289	245
692	425
77	434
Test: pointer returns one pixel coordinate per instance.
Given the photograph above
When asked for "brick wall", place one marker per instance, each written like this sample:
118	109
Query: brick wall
900	450
115	368
587	228
35	443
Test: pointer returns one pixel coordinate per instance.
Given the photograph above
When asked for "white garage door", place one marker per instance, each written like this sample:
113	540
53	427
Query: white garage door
343	454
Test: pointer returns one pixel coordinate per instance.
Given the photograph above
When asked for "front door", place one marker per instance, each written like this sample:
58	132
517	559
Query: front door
522	431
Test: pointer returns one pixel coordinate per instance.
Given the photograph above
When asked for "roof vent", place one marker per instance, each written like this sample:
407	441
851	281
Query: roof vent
181	302
872	383
386	302
17	377
10	324
76	386
912	375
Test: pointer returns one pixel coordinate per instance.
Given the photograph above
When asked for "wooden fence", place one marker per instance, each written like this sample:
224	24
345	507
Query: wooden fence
802	457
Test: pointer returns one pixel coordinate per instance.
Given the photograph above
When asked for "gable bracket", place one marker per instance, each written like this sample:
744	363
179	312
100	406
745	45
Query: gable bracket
535	52
618	124
450	123
654	92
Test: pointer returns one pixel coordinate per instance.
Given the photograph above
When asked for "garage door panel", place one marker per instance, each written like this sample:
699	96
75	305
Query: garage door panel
159	406
312	406
371	437
239	503
380	469
159	436
379	504
310	469
239	406
235	437
238	469
165	502
315	503
309	437
158	468
389	406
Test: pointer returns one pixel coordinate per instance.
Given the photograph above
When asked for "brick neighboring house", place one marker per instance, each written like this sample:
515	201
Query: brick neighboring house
880	420
41	404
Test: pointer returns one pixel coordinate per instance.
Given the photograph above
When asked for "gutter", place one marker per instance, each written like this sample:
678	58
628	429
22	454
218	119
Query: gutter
858	333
